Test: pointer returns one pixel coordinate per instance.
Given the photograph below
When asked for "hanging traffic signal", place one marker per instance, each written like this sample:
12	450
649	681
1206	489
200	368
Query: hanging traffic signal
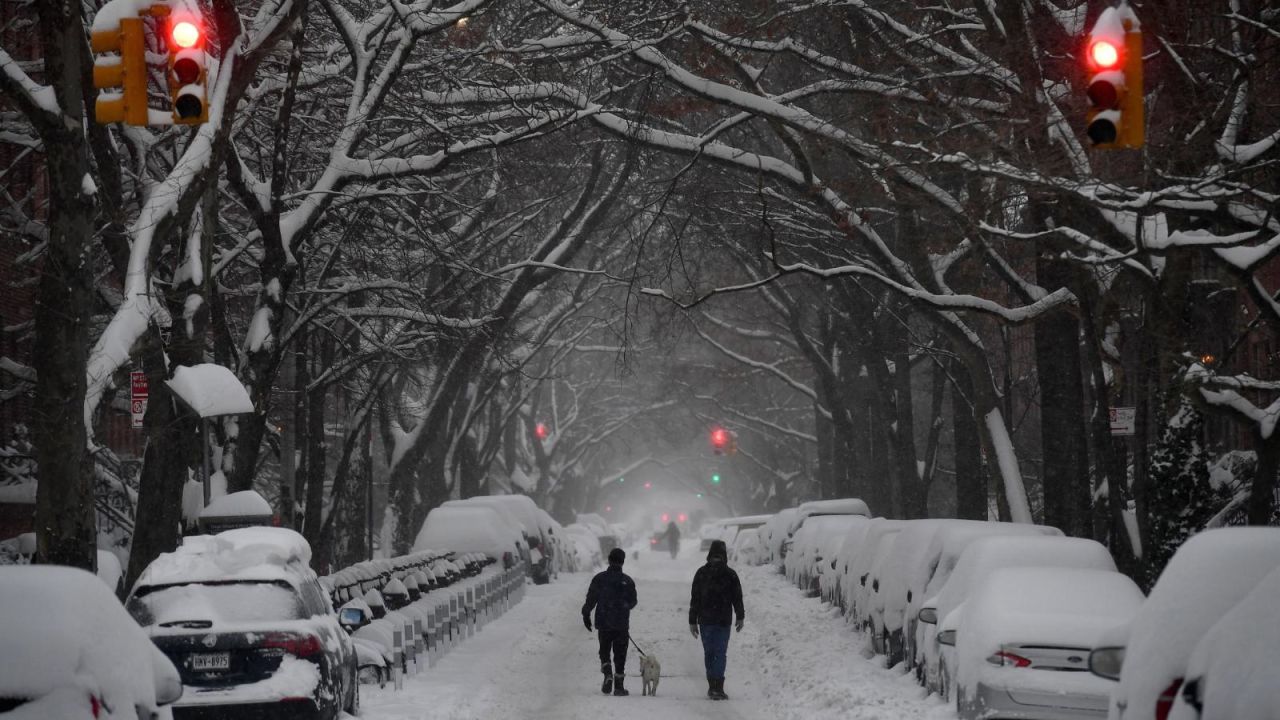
120	75
187	72
1113	58
541	431
715	479
719	440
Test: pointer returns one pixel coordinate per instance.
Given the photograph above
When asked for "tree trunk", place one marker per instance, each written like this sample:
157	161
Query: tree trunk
1062	436
66	524
1262	494
971	481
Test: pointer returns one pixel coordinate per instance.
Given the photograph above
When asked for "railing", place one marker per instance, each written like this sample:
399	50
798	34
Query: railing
414	634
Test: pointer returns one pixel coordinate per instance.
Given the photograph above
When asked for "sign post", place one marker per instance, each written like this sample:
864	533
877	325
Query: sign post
138	392
1122	420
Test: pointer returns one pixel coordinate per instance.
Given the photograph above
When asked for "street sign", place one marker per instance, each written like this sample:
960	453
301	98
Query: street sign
1122	420
138	392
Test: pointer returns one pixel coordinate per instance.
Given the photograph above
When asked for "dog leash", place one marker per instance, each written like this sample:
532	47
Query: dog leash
637	647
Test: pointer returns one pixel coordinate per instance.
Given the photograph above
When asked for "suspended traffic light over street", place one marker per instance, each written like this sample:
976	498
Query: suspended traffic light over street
1113	69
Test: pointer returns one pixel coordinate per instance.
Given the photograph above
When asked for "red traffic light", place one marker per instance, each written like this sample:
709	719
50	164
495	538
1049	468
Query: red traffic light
1105	55
185	34
541	431
719	438
666	517
681	517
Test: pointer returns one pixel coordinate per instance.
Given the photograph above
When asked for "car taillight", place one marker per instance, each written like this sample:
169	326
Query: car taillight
1008	659
653	541
1164	703
296	645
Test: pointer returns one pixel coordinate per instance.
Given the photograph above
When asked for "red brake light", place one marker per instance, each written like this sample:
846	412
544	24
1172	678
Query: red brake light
185	34
1164	703
296	645
653	541
1008	659
1104	54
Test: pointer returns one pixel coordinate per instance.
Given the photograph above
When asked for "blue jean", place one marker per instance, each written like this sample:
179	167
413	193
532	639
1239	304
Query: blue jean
715	646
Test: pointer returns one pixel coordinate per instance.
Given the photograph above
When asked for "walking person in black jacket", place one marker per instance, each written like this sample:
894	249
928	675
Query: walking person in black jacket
612	595
716	597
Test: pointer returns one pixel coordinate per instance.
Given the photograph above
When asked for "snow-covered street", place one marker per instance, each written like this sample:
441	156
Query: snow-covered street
795	659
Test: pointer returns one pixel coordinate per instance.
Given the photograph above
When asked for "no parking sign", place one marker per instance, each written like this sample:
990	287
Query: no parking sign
138	392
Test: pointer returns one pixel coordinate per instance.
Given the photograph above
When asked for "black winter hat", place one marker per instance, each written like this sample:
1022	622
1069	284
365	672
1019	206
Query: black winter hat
617	556
718	551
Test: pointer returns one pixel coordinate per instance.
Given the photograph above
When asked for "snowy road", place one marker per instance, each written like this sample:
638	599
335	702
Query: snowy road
795	660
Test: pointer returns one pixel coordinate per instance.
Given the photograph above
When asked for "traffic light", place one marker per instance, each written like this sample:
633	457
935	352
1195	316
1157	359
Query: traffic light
719	440
715	479
120	75
1113	59
541	431
187	73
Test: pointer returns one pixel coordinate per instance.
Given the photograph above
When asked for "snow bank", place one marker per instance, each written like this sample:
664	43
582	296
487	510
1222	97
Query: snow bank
237	504
1206	577
210	390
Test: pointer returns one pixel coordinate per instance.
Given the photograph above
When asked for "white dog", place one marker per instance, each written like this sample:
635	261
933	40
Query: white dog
650	669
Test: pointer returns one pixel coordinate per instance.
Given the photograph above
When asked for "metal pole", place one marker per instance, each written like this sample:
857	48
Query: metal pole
368	498
204	465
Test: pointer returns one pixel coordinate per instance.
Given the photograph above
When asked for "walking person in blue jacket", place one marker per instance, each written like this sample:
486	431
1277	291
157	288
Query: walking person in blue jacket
612	595
716	597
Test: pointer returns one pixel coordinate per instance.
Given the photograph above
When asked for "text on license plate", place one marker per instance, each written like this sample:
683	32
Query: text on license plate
211	661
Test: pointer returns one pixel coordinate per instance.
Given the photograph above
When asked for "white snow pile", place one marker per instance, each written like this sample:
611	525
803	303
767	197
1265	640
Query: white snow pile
63	629
1206	577
467	529
254	553
210	390
237	504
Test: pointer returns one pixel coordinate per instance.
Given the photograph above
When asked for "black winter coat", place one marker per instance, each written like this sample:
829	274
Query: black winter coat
612	595
716	596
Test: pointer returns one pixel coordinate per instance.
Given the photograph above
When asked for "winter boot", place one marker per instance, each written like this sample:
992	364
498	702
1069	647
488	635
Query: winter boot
718	690
711	688
618	690
607	686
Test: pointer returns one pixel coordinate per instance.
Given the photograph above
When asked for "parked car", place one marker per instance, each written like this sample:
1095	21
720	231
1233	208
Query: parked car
1023	639
775	531
470	529
814	543
71	651
747	548
245	621
935	568
1231	674
819	508
1209	575
522	514
975	565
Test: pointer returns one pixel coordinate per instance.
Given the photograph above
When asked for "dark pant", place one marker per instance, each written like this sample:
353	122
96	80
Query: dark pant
715	648
615	641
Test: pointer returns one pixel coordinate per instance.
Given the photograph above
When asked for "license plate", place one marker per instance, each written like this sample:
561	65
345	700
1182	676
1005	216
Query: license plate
211	661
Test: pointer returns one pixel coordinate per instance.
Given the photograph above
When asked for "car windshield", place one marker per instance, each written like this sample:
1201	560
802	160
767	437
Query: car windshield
206	604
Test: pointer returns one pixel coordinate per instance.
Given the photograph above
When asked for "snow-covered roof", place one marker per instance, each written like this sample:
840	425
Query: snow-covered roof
840	506
253	553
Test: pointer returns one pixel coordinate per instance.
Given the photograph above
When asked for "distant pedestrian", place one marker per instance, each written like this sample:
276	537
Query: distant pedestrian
716	597
612	595
673	539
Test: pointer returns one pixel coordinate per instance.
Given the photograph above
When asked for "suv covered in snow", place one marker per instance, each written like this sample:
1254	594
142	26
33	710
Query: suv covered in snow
244	619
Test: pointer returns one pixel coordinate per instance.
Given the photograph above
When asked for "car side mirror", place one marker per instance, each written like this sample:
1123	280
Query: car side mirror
863	580
352	616
947	637
928	615
1105	662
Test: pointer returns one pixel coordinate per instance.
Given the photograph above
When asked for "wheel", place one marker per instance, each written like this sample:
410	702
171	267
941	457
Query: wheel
353	705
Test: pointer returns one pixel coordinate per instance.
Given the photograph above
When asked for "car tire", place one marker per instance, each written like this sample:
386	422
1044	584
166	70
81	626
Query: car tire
353	707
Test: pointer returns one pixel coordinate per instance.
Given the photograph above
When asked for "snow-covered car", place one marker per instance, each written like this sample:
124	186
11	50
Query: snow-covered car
889	597
809	544
934	568
774	532
983	557
1230	673
244	619
874	547
1023	639
522	514
846	556
819	508
68	650
585	546
747	548
471	528
605	537
1209	575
